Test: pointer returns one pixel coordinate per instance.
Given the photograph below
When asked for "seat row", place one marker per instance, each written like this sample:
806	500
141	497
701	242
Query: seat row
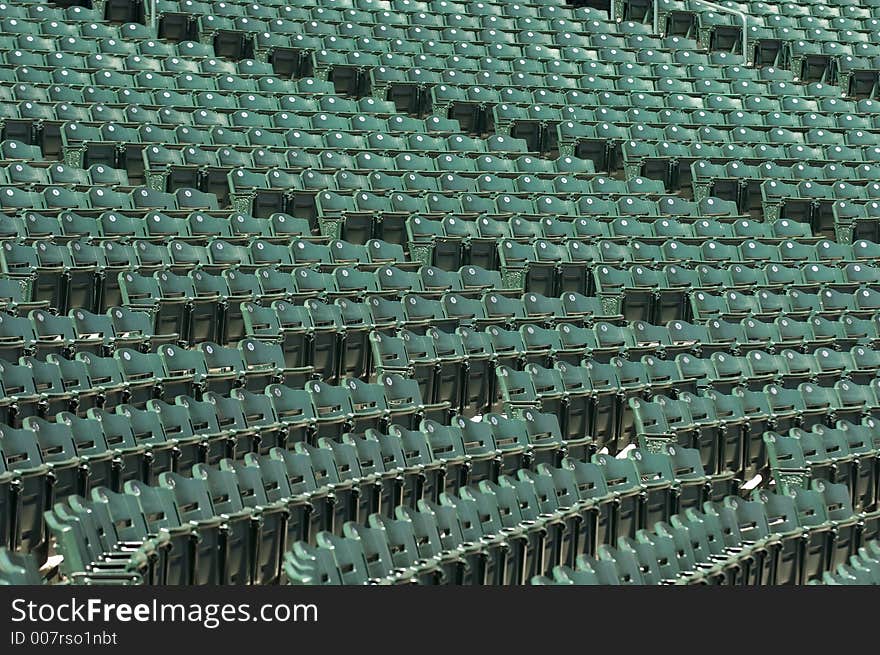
568	313
67	68
30	176
716	250
85	24
334	8
649	373
753	541
127	40
699	421
551	268
425	14
578	196
658	296
644	133
607	401
765	305
839	30
750	334
146	275
817	109
502	44
416	189
664	92
647	63
804	200
301	53
150	48
667	128
657	362
688	229
528	43
843	454
61	198
260	94
333	337
158	160
661	159
169	107
458	69
544	329
796	112
153	226
344	280
333	208
356	217
71	14
461	86
88	141
278	129
293	96
181	254
581	135
706	175
424	232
